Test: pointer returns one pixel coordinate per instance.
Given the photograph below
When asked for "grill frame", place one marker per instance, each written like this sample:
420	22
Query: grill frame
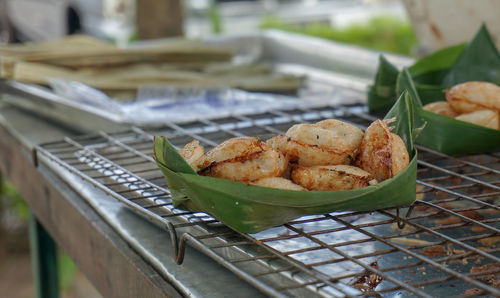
287	275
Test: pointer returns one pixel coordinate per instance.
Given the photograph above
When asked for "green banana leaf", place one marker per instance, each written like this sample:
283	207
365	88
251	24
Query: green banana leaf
477	60
446	134
250	209
432	69
480	61
428	73
382	94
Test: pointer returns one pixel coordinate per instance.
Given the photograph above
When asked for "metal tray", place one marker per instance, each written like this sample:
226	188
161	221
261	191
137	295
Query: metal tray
446	244
328	66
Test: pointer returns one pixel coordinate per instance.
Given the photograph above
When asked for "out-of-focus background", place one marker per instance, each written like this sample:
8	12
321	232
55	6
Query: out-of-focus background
378	24
410	27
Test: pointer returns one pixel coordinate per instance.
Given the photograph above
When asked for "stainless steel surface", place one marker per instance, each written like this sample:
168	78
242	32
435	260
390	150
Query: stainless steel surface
152	245
104	238
326	65
42	101
434	248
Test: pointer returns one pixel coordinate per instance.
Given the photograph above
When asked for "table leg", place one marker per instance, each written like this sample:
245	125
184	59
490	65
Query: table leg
43	260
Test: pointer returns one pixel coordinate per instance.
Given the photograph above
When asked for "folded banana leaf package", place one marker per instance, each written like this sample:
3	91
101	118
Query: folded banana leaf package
249	209
446	134
427	81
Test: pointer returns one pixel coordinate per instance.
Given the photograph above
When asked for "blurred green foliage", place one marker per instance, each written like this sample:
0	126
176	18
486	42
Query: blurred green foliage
215	18
384	33
10	198
67	270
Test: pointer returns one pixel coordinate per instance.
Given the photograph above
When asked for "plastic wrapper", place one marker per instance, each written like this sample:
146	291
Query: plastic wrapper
160	104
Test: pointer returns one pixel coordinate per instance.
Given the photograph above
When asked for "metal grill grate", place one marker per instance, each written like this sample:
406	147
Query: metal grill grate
447	243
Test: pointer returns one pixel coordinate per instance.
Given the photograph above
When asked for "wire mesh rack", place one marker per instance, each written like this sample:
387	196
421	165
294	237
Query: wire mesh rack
445	244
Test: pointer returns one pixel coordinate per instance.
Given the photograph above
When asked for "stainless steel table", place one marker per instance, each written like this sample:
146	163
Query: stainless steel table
119	252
